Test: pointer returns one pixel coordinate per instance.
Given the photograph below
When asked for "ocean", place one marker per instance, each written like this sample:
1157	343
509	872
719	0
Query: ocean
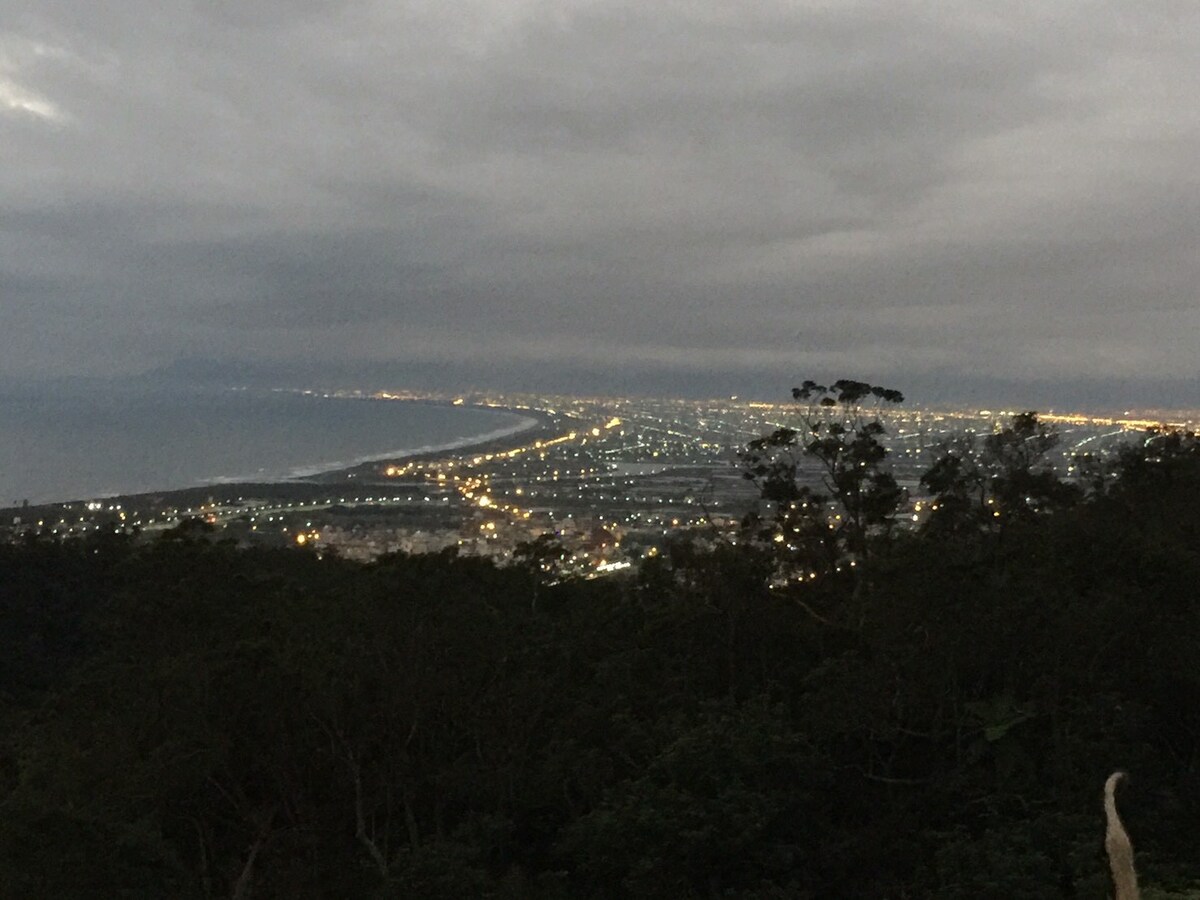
67	445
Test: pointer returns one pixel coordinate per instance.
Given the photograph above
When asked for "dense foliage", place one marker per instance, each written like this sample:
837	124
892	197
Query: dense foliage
183	718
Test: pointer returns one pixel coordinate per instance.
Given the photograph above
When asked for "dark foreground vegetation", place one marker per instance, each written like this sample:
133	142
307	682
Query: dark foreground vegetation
762	719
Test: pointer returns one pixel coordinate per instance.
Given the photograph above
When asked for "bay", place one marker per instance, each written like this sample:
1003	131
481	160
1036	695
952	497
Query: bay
57	446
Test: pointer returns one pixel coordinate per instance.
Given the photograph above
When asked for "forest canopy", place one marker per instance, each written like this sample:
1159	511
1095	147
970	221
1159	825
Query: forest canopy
928	712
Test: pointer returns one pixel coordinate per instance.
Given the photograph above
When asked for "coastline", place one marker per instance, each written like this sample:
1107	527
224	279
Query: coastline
541	425
304	479
316	470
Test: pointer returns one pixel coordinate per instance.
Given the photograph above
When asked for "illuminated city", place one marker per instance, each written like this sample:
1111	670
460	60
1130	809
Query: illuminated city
609	480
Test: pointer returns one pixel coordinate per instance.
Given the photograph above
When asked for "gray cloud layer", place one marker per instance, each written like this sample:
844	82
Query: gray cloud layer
882	188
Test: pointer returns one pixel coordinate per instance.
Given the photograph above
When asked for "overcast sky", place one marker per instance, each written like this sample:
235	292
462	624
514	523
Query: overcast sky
710	189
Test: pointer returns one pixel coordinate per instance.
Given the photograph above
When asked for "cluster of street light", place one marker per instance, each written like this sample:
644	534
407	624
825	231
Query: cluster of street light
638	468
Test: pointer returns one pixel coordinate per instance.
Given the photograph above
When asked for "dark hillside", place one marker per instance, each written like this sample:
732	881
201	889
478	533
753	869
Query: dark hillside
186	719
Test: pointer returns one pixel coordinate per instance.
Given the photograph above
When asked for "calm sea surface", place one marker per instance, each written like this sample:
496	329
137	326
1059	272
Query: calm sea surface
56	446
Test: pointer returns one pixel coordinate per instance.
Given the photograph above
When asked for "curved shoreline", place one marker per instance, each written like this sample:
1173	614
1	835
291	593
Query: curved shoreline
316	470
313	475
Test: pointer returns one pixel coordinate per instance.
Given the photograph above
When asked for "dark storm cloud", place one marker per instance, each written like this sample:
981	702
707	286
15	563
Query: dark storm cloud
688	187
